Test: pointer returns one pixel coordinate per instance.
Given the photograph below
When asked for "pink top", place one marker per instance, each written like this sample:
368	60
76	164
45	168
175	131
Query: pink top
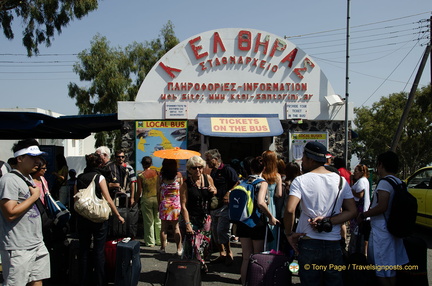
43	189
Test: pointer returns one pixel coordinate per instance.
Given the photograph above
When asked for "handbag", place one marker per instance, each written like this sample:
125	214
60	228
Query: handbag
214	202
56	210
90	206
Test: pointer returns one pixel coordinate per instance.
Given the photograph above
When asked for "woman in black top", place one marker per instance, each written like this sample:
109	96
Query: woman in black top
87	228
195	198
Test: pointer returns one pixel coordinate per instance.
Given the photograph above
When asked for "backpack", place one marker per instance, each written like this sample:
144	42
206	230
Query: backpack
242	206
403	210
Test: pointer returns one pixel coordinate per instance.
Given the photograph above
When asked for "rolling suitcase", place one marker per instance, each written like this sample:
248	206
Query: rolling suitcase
183	272
110	259
128	263
130	215
267	269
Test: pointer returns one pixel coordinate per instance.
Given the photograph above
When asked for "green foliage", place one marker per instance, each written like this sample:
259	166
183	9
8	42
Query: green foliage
41	18
377	125
115	74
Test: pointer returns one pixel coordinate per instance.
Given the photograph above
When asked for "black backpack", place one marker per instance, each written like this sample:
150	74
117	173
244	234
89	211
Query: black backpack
403	212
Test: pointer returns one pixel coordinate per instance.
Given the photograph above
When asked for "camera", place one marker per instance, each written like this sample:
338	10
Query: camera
324	225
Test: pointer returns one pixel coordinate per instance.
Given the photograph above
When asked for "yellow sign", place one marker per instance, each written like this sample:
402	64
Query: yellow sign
309	136
239	125
161	124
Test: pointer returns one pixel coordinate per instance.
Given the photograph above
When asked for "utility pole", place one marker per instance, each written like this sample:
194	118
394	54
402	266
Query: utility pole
410	100
347	82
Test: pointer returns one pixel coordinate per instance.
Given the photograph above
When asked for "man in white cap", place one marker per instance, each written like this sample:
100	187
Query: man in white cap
24	256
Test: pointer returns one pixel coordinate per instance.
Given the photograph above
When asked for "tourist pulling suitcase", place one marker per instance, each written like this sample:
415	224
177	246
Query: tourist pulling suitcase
128	263
267	269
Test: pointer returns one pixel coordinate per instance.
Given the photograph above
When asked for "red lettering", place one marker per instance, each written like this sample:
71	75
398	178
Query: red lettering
278	45
259	43
290	57
244	40
196	49
169	70
217	41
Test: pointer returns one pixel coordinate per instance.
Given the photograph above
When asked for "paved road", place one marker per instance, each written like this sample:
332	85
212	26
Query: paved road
154	266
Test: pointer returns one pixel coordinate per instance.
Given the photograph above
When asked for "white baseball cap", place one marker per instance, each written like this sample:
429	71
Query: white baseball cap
31	151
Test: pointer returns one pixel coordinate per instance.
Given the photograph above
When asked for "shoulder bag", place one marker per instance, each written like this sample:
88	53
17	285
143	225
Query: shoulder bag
90	206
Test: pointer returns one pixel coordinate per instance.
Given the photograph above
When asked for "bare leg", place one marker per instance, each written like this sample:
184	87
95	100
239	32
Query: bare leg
247	250
163	234
177	236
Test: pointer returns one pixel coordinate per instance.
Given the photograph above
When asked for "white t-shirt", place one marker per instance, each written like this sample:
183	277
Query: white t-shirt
317	194
386	248
362	185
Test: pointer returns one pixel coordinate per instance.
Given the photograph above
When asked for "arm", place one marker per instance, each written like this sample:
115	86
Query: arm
263	205
184	211
212	187
359	194
278	193
288	221
349	211
158	190
382	204
12	210
132	193
107	197
139	187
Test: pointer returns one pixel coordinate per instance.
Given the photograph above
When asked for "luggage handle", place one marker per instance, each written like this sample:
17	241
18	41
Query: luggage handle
117	195
278	238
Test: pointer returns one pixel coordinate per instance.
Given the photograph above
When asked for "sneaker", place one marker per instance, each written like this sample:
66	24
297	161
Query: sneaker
162	251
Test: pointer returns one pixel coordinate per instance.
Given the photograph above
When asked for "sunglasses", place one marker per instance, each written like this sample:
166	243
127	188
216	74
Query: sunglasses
197	167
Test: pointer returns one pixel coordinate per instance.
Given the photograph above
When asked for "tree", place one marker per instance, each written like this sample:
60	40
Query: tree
115	74
377	125
41	18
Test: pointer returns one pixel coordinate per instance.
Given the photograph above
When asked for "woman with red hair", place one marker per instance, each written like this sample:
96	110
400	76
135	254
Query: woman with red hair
274	192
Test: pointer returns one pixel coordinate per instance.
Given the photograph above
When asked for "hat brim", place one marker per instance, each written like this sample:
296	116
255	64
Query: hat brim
36	154
315	157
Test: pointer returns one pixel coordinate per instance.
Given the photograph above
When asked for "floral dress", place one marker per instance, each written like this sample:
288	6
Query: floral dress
169	207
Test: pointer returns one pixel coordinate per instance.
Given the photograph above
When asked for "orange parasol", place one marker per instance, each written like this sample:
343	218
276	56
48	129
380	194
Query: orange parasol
176	153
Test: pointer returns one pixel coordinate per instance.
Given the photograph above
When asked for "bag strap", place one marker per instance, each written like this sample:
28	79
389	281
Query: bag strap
340	188
38	202
394	185
206	182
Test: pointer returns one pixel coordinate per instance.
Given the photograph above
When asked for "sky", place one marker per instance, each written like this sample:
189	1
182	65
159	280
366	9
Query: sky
387	42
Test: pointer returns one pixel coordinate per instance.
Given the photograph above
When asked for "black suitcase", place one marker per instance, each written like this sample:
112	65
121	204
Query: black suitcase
73	263
183	272
265	269
130	215
128	263
416	249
